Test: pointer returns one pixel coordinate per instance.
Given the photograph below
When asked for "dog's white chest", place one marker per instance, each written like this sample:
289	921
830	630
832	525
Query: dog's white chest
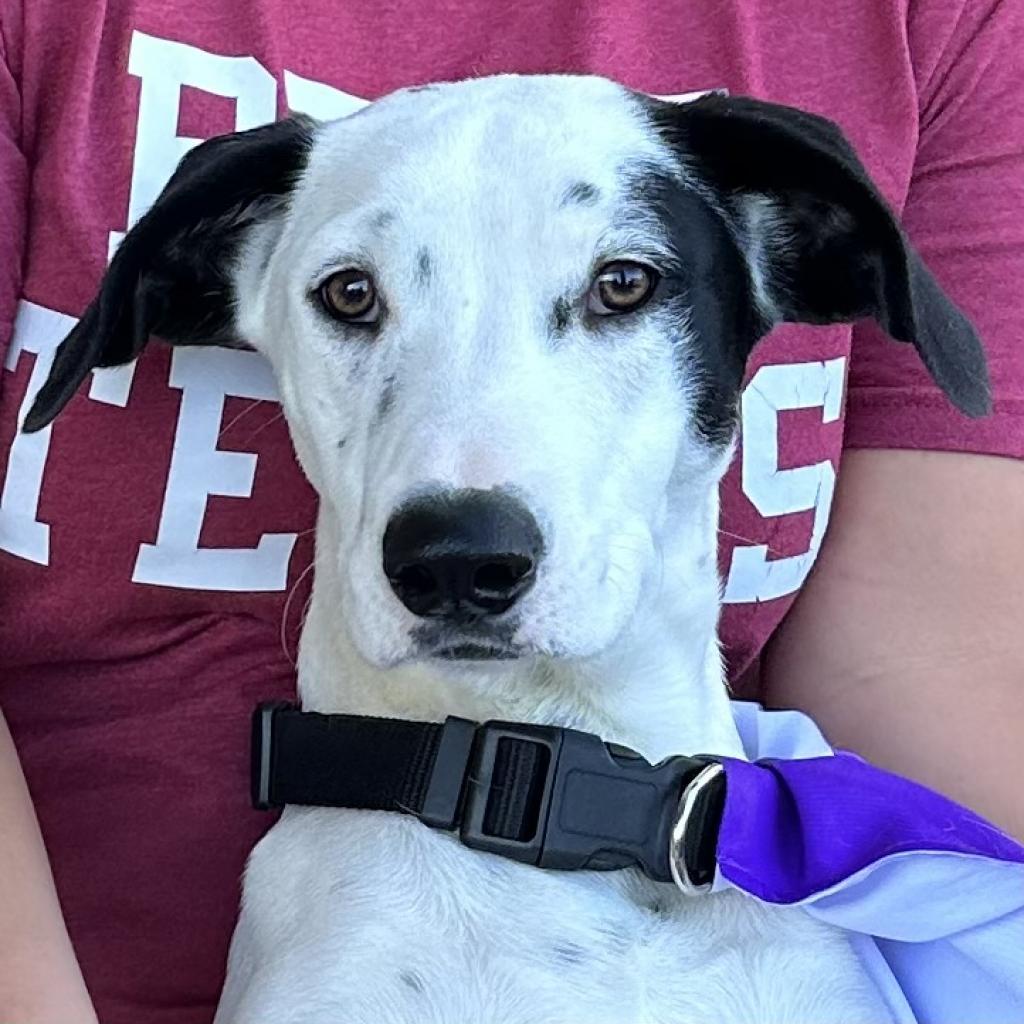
369	918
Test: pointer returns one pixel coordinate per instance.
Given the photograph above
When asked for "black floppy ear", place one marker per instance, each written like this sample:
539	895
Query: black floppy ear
171	276
824	246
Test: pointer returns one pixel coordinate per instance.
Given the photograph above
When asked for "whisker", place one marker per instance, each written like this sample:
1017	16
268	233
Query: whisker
245	412
287	607
263	426
305	612
750	540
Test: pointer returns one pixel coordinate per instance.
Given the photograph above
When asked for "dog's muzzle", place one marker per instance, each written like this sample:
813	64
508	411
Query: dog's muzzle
542	795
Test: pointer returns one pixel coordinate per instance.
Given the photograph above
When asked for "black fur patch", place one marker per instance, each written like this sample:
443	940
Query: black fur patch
709	289
561	315
581	193
844	256
412	980
424	266
569	954
387	397
171	276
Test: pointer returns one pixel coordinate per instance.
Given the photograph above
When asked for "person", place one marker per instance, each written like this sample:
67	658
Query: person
155	542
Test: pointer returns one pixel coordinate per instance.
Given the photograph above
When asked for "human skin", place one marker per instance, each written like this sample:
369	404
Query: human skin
906	644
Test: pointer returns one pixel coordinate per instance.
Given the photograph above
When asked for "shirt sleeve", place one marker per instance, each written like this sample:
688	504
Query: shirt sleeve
13	184
965	214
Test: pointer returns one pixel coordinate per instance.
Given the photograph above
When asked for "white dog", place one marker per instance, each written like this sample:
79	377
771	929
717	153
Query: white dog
509	319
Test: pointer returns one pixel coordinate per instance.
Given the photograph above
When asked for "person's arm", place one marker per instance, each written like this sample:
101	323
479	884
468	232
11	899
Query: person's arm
40	982
907	642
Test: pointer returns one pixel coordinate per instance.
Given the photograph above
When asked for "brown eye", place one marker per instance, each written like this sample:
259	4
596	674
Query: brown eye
350	295
621	287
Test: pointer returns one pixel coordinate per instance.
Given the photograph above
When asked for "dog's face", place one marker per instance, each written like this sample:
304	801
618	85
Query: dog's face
481	288
509	319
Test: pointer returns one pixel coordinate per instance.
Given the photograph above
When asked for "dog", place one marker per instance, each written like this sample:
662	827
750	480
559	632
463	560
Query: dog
519	308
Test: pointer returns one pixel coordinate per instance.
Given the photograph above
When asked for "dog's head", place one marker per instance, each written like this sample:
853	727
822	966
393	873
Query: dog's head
509	319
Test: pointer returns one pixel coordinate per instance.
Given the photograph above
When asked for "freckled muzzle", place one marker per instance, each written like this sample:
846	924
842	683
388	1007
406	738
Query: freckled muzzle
462	556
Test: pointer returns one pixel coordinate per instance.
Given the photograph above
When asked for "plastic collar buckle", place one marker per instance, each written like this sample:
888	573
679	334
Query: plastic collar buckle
594	805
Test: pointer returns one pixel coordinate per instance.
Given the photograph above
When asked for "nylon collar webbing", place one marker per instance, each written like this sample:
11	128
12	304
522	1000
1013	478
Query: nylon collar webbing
544	795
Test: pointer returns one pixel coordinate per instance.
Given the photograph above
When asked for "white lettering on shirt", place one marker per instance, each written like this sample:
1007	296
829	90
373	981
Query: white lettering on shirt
304	96
37	330
199	469
779	492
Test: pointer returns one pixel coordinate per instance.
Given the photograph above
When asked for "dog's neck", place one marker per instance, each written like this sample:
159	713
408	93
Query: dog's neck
658	689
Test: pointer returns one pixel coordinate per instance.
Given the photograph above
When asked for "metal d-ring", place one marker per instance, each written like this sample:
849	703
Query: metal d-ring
677	841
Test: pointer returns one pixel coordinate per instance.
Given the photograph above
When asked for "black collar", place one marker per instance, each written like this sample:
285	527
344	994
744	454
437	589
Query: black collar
543	795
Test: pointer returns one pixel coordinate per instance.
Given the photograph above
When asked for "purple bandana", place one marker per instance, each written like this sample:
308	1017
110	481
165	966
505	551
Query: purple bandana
796	828
931	894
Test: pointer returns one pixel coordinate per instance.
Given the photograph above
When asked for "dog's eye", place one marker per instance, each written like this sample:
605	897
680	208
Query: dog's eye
621	287
350	295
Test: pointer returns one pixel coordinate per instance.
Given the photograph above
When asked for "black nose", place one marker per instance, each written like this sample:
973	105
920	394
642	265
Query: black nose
462	554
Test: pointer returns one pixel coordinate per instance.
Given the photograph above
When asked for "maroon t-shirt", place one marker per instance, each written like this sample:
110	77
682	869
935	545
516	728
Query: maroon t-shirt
154	542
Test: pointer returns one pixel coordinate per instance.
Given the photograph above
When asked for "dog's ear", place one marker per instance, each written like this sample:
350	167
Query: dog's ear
172	275
823	245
